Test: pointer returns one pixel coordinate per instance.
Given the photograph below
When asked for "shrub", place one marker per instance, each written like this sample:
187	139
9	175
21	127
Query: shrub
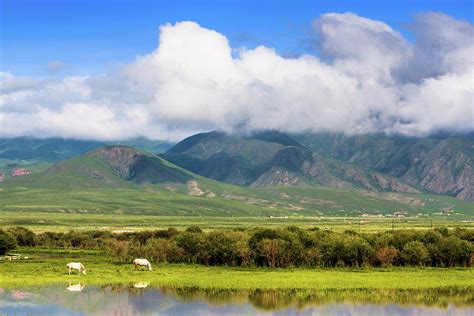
7	242
23	236
414	253
387	255
194	229
119	250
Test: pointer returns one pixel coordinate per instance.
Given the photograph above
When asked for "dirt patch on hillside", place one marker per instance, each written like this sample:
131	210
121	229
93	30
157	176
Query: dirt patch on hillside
404	199
193	189
250	200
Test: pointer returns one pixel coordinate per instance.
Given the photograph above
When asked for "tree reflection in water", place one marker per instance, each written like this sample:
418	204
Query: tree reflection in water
141	298
271	300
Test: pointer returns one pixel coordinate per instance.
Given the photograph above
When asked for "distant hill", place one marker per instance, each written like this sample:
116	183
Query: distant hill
272	158
152	146
441	164
44	150
57	149
38	154
109	166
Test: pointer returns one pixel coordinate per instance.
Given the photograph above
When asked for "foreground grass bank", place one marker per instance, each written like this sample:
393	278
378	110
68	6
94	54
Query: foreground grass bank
49	267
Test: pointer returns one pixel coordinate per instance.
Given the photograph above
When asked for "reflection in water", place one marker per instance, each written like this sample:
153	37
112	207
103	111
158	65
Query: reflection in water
75	287
270	300
141	285
140	299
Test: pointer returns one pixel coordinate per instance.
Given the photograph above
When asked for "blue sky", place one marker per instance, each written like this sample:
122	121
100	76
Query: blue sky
90	37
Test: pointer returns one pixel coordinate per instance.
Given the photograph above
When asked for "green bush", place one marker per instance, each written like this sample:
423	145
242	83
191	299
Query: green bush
7	242
414	253
282	247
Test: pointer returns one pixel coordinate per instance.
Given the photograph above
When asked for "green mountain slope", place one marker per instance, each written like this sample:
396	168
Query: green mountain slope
109	166
123	180
442	165
271	158
39	154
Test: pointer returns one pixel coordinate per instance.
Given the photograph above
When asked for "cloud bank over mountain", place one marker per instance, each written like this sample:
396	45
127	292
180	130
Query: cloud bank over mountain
366	78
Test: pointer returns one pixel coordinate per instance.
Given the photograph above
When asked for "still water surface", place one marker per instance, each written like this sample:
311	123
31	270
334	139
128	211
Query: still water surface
141	299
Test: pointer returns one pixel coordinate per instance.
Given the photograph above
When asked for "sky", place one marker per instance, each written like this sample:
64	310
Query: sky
166	69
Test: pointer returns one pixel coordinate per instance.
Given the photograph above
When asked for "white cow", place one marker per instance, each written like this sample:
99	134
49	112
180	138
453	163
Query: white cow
142	262
76	266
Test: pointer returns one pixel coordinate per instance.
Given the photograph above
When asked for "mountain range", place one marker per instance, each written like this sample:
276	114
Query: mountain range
370	162
266	159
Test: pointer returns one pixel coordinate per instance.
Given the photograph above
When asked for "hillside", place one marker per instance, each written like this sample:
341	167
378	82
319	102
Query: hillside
270	159
57	149
121	179
37	154
443	165
108	166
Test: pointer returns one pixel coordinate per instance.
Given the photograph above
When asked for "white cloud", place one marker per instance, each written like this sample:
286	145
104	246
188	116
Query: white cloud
369	79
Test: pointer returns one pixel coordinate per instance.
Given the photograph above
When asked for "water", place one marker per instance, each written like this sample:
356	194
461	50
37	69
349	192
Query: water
142	299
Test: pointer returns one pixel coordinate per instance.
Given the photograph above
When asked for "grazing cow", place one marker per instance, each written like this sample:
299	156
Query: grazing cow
75	287
142	262
76	266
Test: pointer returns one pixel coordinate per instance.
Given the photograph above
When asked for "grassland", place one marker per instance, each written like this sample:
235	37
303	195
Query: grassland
162	206
47	266
61	222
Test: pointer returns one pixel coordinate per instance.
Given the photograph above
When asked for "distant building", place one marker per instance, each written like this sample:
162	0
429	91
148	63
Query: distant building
20	172
400	214
448	211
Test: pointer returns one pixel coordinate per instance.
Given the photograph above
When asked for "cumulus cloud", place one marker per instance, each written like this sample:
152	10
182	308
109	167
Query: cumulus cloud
368	79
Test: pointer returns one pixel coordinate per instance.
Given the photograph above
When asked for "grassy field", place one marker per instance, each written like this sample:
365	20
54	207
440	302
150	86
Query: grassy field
60	222
158	206
48	266
217	199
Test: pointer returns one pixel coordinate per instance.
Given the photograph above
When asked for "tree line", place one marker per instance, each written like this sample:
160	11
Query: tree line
282	247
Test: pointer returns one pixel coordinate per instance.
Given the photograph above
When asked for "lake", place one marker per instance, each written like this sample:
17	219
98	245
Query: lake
141	298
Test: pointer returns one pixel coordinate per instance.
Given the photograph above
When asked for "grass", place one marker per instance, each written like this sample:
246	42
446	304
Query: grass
60	222
226	200
47	266
162	206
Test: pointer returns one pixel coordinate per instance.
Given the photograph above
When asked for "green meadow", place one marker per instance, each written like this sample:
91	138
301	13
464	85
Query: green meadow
62	222
47	266
221	205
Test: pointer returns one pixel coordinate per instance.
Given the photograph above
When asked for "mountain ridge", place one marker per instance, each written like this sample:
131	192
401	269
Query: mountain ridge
441	164
272	158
